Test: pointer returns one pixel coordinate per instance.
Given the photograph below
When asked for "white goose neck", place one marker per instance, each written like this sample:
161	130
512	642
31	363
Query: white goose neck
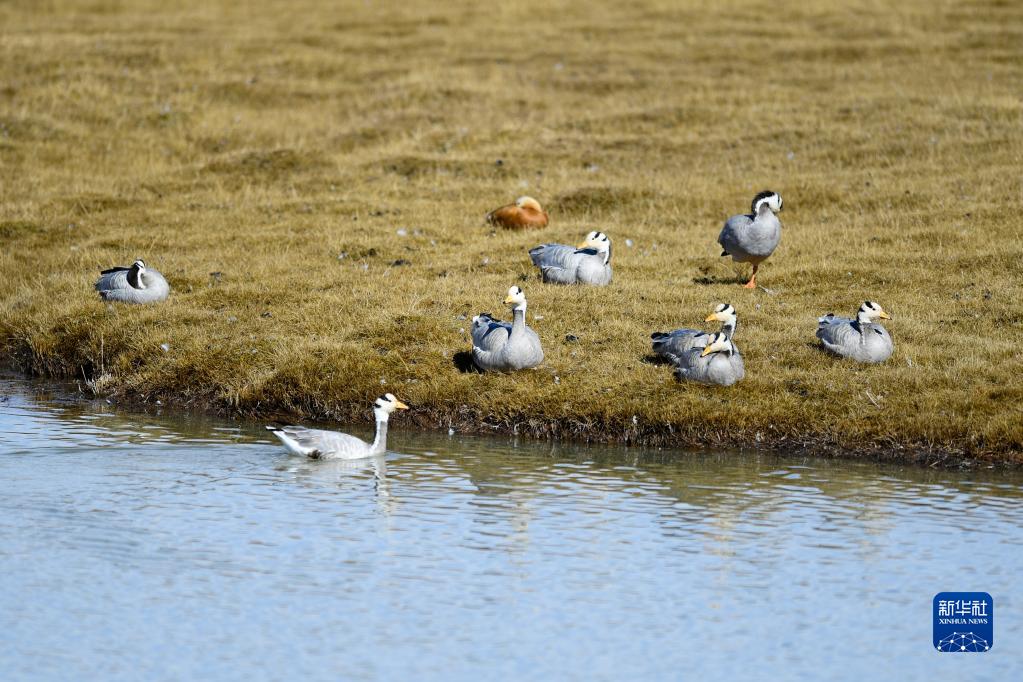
380	440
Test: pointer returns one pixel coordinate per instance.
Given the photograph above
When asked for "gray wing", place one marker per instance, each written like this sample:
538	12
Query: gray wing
321	444
558	263
110	280
838	334
693	365
488	333
488	360
732	235
672	345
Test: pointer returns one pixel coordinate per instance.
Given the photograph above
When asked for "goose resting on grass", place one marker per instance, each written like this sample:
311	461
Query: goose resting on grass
136	284
588	263
320	444
502	347
671	345
861	339
752	238
712	364
525	213
684	349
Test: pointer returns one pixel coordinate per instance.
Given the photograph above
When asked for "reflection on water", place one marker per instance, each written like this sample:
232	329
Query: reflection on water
152	547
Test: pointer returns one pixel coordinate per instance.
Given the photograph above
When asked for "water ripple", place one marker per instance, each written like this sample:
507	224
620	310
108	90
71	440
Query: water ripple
119	530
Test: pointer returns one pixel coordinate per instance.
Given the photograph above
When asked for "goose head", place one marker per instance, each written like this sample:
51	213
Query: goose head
529	204
724	313
718	343
385	405
515	299
135	272
766	200
871	311
598	241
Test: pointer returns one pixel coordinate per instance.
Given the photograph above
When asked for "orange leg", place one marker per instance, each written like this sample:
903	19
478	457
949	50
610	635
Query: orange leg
752	283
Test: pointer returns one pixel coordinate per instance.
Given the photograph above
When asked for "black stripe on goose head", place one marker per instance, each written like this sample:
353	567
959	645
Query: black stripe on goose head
870	307
765	195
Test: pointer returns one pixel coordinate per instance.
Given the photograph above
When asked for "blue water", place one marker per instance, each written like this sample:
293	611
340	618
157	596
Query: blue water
177	547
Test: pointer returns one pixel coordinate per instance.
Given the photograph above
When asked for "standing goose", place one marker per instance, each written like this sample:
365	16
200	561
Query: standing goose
525	213
502	347
673	345
862	339
588	263
752	238
136	284
712	364
320	444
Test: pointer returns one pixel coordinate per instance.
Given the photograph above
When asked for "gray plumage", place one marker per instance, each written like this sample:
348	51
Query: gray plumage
752	238
322	444
589	263
861	339
502	347
716	363
135	284
489	333
677	345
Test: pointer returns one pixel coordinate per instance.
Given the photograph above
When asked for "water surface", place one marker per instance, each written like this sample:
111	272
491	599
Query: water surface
181	547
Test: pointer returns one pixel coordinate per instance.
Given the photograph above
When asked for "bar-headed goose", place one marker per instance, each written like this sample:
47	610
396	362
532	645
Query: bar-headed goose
502	347
135	284
525	213
320	444
712	364
588	263
752	238
674	344
862	339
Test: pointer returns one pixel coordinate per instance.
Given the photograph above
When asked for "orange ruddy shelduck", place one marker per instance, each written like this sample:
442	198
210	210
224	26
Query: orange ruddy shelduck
526	213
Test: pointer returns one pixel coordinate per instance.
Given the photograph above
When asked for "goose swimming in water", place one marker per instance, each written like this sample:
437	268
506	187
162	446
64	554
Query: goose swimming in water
525	213
588	263
677	346
752	238
135	284
502	347
862	339
712	364
320	444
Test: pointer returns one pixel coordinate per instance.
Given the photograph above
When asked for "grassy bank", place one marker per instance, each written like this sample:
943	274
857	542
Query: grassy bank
312	180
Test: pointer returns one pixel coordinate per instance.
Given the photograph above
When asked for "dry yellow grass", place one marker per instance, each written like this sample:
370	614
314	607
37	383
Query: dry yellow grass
263	141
